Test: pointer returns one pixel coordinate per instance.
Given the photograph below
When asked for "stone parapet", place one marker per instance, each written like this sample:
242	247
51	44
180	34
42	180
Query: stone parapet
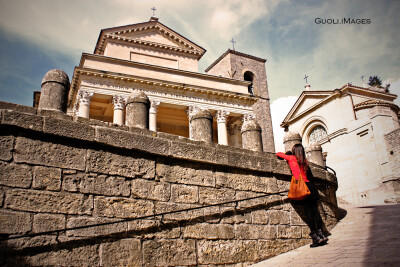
59	171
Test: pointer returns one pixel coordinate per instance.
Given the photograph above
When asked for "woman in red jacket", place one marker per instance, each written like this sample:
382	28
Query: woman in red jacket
299	166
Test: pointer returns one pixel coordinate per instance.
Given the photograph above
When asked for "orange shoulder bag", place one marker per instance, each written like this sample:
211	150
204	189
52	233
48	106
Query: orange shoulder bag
298	189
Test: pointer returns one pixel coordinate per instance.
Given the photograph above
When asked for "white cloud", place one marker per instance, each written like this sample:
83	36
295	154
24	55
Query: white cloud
279	109
394	89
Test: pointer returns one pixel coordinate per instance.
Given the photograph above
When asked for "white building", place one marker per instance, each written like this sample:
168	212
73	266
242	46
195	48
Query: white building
352	124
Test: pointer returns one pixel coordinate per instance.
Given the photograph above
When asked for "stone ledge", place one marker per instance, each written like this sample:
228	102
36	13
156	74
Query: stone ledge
144	140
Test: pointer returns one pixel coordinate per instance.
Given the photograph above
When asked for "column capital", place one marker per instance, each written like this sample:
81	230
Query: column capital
154	106
84	97
248	117
222	116
118	102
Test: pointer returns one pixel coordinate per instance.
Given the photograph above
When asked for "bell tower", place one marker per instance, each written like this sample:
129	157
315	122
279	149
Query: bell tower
236	65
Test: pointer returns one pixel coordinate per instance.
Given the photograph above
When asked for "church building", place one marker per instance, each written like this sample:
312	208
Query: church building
153	59
359	131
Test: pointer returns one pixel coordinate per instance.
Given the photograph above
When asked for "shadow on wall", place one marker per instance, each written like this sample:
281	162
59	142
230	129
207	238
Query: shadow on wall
384	237
33	247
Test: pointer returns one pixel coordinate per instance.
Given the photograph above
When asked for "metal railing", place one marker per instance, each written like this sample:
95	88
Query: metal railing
140	218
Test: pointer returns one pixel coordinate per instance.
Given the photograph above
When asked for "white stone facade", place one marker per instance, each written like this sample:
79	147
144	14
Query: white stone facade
350	124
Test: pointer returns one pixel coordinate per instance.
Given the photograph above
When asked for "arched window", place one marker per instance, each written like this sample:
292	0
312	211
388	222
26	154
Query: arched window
317	133
249	76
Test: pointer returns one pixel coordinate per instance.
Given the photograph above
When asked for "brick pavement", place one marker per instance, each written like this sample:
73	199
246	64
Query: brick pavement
366	236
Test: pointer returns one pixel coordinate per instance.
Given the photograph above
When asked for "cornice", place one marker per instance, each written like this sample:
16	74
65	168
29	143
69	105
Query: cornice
161	68
230	51
186	44
149	44
373	103
135	81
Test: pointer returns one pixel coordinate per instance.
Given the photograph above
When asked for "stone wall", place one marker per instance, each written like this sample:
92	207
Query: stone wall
61	172
392	141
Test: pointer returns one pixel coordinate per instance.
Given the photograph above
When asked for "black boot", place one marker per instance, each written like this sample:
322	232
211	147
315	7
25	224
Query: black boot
322	236
316	240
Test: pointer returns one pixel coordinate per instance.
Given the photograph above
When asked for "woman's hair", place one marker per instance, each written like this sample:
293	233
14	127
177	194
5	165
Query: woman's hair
298	152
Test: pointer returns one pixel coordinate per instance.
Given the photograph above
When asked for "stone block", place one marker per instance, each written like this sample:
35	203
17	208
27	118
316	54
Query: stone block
128	165
118	207
196	152
129	140
251	231
162	207
83	255
72	181
280	167
64	155
251	203
318	172
16	107
151	229
50	202
214	196
278	246
169	252
278	217
6	146
1	197
31	242
151	190
184	193
259	217
15	175
104	185
242	180
46	178
22	120
68	128
48	222
285	231
295	219
102	230
208	231
54	114
186	173
232	216
12	222
226	251
124	252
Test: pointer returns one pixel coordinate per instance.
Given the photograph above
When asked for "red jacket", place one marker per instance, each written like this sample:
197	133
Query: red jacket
294	166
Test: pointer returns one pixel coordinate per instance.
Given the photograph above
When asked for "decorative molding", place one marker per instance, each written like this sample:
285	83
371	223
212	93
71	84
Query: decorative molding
118	102
108	88
154	106
84	97
222	116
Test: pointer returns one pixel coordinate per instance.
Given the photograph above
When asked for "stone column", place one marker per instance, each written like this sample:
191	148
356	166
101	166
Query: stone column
119	104
251	134
290	139
84	99
222	130
314	154
137	110
54	94
200	124
153	115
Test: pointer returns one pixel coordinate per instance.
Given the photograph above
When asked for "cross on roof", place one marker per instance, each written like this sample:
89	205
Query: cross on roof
362	78
233	43
154	11
305	77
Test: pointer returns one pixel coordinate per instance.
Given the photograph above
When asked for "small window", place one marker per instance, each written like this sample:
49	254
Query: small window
317	133
249	76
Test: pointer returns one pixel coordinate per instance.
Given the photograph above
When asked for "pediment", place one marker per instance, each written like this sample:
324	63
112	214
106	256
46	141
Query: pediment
152	33
306	101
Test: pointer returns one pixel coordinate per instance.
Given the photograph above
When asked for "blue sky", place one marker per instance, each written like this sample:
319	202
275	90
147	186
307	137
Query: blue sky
39	35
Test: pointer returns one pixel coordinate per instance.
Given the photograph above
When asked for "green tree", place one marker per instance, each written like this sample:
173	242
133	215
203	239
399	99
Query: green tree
375	81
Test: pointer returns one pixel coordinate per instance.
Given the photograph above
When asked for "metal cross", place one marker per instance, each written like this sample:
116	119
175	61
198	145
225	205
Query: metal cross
305	77
362	78
233	43
154	11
